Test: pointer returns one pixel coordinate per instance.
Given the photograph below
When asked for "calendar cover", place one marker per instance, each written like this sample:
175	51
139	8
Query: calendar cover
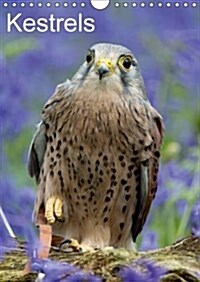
100	124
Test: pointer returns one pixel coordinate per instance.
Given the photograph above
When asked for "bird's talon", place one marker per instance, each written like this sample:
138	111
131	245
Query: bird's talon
71	245
58	205
53	209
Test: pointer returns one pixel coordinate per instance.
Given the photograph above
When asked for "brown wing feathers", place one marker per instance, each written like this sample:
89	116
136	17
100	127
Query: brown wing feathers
156	131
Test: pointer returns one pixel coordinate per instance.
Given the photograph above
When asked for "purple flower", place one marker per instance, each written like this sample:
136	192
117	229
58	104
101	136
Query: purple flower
130	274
149	241
17	205
173	172
13	114
152	272
81	276
53	270
7	243
61	271
195	219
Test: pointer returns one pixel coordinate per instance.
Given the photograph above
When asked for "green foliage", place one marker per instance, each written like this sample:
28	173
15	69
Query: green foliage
18	46
16	151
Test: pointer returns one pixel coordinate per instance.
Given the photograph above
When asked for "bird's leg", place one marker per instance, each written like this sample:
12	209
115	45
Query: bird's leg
73	245
54	209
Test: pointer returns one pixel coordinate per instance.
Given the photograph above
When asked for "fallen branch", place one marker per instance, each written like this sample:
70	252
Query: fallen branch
181	260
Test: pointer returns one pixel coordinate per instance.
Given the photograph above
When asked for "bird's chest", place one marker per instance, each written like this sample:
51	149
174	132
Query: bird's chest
96	178
95	172
98	151
97	123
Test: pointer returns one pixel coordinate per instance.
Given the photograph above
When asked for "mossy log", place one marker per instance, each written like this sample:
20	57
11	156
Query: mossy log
182	261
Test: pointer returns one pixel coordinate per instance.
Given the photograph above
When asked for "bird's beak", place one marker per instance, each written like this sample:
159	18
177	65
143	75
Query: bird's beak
104	67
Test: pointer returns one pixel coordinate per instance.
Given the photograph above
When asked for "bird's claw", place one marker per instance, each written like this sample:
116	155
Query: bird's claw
54	209
69	245
72	245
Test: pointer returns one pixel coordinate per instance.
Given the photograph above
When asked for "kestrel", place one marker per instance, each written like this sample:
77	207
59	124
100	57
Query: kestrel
95	154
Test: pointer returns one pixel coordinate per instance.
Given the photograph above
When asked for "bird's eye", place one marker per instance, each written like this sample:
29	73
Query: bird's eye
90	56
127	63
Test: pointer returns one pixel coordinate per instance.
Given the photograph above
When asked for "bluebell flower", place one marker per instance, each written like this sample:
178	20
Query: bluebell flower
7	243
81	276
17	205
12	90
55	271
151	273
149	241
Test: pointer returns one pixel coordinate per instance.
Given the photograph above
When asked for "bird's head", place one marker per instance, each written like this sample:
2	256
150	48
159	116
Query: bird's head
110	65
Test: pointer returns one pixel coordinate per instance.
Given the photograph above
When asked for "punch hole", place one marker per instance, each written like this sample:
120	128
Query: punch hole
177	4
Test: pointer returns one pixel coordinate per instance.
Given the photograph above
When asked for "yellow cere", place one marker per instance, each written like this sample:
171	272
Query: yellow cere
107	62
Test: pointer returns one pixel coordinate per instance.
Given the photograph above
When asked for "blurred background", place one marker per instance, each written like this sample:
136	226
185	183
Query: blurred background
166	43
